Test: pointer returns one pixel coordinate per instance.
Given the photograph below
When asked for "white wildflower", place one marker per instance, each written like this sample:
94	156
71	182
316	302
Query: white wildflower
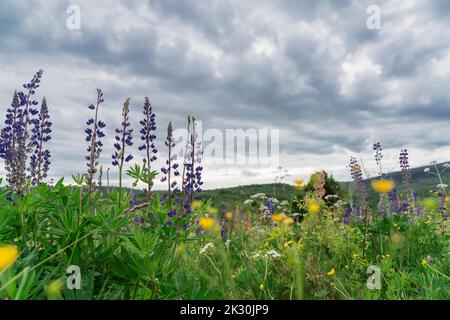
272	254
227	243
427	170
258	195
340	203
206	247
442	186
256	256
248	201
446	165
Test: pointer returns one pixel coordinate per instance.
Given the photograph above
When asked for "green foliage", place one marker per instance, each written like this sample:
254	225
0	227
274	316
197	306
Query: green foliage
125	253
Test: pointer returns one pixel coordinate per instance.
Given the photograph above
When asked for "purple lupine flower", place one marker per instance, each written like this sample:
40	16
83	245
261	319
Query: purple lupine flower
404	165
28	107
270	206
172	213
394	201
192	168
347	214
13	148
148	138
378	156
40	159
356	174
171	166
134	201
404	207
14	144
94	133
123	139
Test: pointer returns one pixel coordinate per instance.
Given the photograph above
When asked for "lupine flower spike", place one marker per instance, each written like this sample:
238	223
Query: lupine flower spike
123	138
40	159
171	165
94	134
148	138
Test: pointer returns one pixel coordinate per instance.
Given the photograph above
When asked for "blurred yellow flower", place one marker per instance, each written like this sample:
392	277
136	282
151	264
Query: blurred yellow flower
288	221
228	216
424	262
266	244
54	289
181	249
206	223
279	217
298	184
8	255
212	211
382	185
287	244
261	286
313	207
196	205
300	245
331	272
397	239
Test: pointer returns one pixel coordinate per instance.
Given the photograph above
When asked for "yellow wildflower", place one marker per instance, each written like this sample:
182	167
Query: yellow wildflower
8	255
287	244
212	211
424	262
181	249
54	289
331	272
206	223
300	245
313	207
279	217
288	221
266	244
196	205
298	184
261	286
228	216
382	185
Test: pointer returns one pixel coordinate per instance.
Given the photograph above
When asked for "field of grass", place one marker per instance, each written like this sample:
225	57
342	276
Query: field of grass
385	237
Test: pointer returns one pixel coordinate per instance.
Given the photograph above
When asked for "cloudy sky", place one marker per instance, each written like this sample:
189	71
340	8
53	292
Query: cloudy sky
312	69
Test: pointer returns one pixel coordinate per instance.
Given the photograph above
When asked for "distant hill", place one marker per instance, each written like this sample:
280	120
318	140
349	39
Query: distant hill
421	182
228	198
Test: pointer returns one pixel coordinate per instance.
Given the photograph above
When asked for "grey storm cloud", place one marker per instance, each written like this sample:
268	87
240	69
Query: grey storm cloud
310	68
